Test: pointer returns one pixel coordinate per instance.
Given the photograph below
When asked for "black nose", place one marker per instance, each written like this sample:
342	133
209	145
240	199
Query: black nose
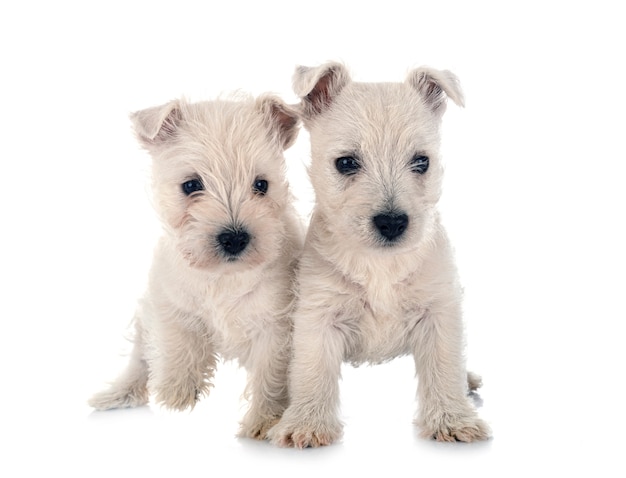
233	242
391	226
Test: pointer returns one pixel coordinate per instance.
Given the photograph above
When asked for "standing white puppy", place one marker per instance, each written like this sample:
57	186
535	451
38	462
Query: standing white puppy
377	279
221	280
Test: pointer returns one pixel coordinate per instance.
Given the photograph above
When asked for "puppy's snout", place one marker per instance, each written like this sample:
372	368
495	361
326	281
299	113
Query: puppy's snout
391	226
233	242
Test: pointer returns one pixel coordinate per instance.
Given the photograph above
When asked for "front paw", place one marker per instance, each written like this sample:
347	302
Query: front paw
257	427
292	432
119	398
451	428
178	398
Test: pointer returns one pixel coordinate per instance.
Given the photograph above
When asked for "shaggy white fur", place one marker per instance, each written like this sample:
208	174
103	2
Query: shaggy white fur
377	278
221	281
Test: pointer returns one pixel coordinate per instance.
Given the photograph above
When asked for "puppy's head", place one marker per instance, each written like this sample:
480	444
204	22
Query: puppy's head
375	167
219	177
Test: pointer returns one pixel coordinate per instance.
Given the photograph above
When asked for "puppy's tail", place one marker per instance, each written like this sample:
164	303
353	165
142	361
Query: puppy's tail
474	381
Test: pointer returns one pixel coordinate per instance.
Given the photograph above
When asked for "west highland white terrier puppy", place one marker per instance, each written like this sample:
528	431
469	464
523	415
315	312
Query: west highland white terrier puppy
221	284
377	279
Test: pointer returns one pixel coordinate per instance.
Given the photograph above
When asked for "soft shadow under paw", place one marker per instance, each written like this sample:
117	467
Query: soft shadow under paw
119	413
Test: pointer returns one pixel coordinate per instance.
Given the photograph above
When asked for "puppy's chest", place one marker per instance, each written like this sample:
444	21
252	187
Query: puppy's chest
236	315
385	323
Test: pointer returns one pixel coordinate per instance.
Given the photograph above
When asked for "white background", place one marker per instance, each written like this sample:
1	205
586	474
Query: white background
534	201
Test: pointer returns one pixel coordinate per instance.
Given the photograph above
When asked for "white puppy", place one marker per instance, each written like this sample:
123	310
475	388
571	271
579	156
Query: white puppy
221	280
377	279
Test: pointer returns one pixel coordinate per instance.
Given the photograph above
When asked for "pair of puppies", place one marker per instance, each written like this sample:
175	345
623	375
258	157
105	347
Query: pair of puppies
375	278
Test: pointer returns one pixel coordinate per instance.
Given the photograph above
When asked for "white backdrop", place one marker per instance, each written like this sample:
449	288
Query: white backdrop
534	201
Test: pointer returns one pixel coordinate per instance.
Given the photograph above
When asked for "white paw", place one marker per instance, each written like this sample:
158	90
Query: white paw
114	398
304	433
181	397
258	428
450	428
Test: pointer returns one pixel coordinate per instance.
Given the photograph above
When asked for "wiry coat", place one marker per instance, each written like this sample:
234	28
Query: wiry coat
365	293
208	298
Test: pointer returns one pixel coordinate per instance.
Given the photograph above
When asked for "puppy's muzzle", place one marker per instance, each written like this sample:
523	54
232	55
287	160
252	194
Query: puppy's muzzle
233	242
391	226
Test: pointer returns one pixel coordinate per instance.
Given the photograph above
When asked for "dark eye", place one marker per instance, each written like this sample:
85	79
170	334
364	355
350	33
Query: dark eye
419	164
347	165
260	186
191	186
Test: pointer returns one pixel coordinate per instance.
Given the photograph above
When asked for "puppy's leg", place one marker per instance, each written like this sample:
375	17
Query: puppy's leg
312	417
130	388
182	364
445	412
267	386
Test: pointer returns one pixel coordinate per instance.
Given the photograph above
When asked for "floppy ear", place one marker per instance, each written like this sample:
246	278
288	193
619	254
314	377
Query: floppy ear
435	85
282	119
158	124
318	86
